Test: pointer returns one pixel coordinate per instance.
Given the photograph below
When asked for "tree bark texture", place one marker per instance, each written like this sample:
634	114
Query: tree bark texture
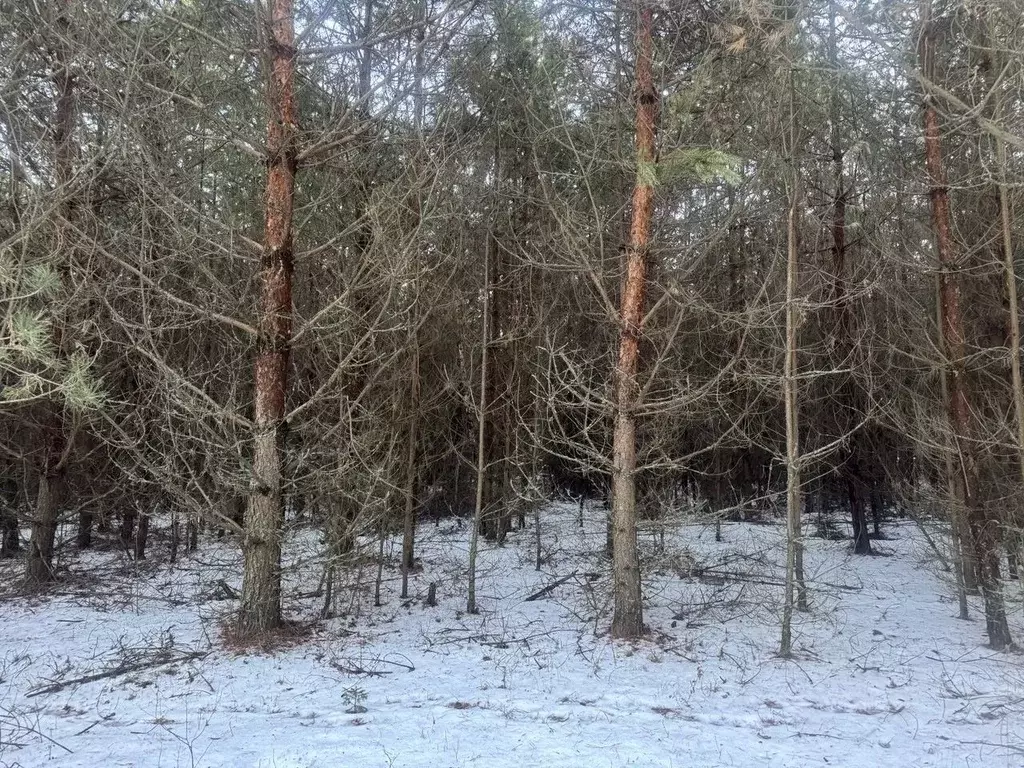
39	566
627	619
260	608
983	528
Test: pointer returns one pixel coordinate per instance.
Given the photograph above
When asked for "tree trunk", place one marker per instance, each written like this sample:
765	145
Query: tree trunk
627	619
877	509
83	539
494	458
366	58
260	608
849	402
1011	530
959	540
382	535
858	514
535	463
39	567
409	527
839	295
127	531
142	536
983	528
10	539
504	514
719	502
481	442
175	537
794	542
10	535
965	570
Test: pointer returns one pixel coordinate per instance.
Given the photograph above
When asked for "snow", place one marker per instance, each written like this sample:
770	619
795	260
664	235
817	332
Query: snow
885	674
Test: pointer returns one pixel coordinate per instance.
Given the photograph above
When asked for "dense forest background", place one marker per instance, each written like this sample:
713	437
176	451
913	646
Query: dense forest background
360	264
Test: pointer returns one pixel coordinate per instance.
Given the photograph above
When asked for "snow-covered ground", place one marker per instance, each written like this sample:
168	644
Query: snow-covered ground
885	674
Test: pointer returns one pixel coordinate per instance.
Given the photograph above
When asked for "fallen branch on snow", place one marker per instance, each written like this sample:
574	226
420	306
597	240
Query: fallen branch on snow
705	574
549	588
121	669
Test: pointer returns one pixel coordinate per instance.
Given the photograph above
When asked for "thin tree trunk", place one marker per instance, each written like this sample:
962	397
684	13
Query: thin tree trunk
958	536
877	509
802	603
382	535
794	541
175	536
493	494
83	539
419	71
127	531
858	512
409	527
793	527
1011	532
627	619
839	298
366	62
260	608
852	466
983	529
719	502
142	536
504	517
481	442
535	463
10	535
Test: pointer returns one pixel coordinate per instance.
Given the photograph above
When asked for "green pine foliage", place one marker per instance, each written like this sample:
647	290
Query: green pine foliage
30	366
699	163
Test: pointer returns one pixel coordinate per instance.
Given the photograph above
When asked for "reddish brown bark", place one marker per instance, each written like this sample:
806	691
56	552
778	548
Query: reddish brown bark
982	526
627	620
260	608
848	396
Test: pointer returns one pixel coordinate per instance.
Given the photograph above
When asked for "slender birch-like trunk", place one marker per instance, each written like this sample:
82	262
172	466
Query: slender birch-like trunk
409	525
481	442
794	542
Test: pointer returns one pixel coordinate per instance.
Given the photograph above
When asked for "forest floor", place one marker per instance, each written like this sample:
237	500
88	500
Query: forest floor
125	664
